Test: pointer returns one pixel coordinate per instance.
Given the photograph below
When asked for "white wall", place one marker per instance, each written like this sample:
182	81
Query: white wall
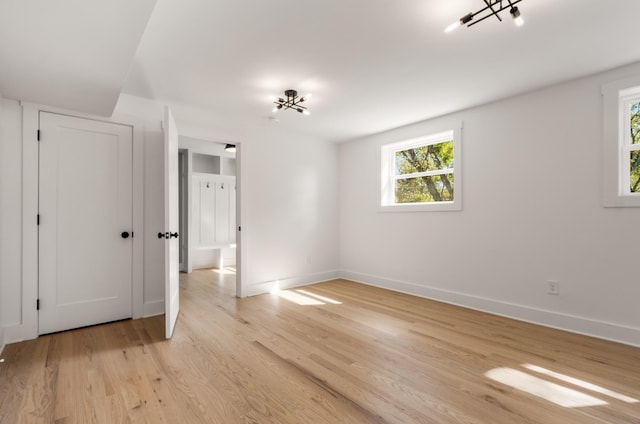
289	199
290	195
532	211
15	320
10	214
205	147
150	114
288	190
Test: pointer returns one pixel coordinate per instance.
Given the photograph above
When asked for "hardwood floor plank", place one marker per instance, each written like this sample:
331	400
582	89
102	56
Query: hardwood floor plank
345	353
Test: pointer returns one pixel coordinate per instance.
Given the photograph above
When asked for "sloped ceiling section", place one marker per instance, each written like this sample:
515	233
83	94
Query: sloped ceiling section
73	54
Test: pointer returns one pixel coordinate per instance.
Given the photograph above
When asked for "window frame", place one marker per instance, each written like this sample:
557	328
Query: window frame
627	98
388	176
617	98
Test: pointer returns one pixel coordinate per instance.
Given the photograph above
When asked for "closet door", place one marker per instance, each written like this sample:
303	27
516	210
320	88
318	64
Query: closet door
85	207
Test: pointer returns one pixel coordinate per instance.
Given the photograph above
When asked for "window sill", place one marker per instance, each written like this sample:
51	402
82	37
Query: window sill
422	207
621	201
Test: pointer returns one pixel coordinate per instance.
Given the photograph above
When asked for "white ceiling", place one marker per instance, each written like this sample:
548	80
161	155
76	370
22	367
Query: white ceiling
371	65
72	54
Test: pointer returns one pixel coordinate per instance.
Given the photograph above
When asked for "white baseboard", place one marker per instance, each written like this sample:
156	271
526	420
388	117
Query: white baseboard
21	332
290	282
18	333
151	309
581	325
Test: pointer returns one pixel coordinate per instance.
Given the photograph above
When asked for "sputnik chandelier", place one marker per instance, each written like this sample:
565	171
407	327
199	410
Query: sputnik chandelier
492	8
292	101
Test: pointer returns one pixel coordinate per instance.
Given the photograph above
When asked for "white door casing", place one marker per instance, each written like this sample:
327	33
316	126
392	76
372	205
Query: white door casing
171	210
85	206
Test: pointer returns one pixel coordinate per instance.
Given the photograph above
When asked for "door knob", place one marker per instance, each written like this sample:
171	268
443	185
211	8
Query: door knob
124	234
173	235
163	235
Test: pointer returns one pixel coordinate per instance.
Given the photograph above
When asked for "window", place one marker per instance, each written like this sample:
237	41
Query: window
422	173
621	153
630	144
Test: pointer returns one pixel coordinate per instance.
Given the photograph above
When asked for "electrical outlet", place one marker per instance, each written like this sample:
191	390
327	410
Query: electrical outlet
553	287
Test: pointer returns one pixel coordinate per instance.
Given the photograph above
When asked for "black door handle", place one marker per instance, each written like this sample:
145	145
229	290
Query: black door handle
124	234
163	235
174	235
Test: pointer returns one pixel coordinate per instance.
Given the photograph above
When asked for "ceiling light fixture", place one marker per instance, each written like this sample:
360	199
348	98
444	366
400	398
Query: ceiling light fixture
492	8
231	148
292	101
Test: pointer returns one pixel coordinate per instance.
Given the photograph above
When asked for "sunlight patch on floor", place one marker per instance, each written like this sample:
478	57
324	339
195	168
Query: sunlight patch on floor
560	395
581	383
225	271
302	297
317	296
298	298
554	392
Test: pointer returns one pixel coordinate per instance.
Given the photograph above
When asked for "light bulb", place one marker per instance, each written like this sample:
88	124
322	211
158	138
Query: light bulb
306	112
515	14
452	27
305	98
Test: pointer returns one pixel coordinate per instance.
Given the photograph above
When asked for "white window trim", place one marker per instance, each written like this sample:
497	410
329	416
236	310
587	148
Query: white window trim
615	145
443	133
627	98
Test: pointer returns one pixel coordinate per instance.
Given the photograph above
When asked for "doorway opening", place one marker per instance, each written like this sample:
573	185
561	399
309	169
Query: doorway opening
208	207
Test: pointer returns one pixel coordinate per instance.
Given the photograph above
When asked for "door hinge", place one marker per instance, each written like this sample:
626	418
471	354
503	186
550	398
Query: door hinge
38	135
38	219
239	228
37	304
131	234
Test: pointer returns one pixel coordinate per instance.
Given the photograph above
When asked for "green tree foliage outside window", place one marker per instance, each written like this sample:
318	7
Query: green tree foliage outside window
434	160
635	154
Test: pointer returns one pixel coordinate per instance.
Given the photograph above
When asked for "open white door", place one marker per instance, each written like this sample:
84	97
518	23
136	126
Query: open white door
170	232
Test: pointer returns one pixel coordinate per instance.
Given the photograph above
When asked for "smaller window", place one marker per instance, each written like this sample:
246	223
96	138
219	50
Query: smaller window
621	142
422	173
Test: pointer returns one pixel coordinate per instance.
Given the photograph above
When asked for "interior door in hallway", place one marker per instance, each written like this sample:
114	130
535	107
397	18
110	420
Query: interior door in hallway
85	222
171	210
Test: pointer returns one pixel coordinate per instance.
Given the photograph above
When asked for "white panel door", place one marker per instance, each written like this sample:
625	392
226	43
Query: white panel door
85	212
171	208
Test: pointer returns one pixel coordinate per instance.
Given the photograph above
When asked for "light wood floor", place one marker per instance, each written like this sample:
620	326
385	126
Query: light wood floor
375	357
